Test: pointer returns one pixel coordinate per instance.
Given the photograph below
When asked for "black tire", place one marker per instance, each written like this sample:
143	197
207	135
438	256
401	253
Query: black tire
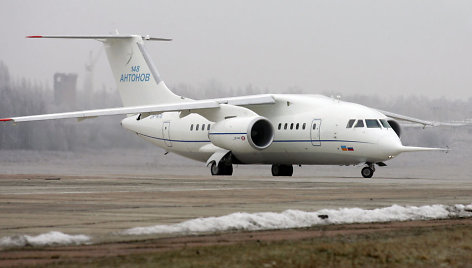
367	172
215	170
275	170
282	170
227	170
221	169
288	171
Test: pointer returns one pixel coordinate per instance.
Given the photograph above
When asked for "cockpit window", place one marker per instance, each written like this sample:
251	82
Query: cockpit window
385	123
360	123
372	123
350	123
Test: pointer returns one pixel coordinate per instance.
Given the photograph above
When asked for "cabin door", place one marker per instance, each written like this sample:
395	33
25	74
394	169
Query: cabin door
166	133
315	132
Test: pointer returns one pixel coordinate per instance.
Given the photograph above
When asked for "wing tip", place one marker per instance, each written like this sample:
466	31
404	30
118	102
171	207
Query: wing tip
5	119
34	36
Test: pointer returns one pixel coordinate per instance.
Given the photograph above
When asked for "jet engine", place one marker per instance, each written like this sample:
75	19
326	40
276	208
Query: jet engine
396	127
242	134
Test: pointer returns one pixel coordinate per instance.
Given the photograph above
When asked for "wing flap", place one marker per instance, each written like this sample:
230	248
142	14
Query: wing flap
247	100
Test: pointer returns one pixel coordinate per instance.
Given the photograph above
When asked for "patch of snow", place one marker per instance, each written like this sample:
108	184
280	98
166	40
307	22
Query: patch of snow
297	219
46	239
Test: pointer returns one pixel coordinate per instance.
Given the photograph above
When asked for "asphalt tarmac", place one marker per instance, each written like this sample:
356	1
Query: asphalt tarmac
101	200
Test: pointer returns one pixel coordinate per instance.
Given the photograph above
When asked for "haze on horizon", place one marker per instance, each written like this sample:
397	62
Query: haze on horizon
386	48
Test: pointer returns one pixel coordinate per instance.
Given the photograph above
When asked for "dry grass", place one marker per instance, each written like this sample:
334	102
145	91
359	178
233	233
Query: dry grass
448	246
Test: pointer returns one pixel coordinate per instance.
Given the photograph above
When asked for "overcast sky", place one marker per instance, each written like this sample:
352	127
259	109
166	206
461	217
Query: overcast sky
369	47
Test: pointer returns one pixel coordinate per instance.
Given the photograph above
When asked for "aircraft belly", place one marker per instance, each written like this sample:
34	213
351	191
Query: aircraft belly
303	158
188	150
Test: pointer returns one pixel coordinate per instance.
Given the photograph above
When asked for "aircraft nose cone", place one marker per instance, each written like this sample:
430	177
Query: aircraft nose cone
391	147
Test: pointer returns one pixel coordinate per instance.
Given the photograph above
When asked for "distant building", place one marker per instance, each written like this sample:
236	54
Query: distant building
65	90
4	76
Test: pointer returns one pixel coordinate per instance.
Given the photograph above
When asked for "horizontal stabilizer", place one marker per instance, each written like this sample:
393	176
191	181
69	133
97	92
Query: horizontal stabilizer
99	37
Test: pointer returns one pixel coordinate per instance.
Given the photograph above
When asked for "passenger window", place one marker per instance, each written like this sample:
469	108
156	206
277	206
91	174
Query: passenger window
372	123
360	123
191	127
285	126
196	128
291	126
350	123
208	127
314	126
304	125
385	123
280	126
297	126
203	127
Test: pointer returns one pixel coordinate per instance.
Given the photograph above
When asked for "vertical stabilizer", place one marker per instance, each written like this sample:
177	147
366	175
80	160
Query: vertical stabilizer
136	77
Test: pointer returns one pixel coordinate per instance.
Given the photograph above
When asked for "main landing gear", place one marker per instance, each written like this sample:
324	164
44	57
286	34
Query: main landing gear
282	170
222	169
368	172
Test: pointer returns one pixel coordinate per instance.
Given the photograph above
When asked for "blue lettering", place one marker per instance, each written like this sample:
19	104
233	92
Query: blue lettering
135	69
135	77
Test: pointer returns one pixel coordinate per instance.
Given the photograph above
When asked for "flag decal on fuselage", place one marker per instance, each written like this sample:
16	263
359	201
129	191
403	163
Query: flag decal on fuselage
345	148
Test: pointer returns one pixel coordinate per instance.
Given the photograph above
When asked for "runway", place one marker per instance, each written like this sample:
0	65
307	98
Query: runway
100	194
102	206
97	197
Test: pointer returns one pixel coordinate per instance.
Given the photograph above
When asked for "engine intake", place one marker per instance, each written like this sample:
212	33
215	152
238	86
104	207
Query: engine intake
242	134
261	133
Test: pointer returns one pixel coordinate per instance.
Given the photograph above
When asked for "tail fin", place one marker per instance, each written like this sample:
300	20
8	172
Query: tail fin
136	77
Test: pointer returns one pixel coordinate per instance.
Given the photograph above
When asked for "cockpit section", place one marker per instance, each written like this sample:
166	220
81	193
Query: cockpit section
369	123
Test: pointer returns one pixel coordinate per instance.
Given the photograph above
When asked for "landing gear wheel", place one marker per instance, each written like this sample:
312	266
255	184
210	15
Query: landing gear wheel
282	170
228	170
367	172
221	169
276	170
214	169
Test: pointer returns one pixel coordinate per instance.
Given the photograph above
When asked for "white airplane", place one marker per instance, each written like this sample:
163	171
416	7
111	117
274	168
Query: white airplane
277	129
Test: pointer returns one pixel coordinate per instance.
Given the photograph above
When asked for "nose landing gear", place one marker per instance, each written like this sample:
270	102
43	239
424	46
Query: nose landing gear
368	172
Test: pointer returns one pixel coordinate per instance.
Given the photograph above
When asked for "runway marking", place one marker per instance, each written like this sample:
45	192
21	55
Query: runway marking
169	190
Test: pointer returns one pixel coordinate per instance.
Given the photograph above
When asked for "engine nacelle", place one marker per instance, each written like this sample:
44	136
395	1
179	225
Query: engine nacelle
396	127
242	134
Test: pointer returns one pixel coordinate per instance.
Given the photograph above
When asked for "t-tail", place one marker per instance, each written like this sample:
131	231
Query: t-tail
136	77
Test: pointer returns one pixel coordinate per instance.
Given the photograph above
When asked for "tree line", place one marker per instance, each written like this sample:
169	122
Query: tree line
23	97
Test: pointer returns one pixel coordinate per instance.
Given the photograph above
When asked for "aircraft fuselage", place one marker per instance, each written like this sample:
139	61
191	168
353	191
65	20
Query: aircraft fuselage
308	129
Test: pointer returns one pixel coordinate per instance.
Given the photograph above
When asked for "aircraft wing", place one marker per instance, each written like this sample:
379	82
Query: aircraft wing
191	105
410	119
414	122
247	100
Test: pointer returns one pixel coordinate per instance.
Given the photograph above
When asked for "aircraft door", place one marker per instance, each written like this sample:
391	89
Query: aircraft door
315	132
166	133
